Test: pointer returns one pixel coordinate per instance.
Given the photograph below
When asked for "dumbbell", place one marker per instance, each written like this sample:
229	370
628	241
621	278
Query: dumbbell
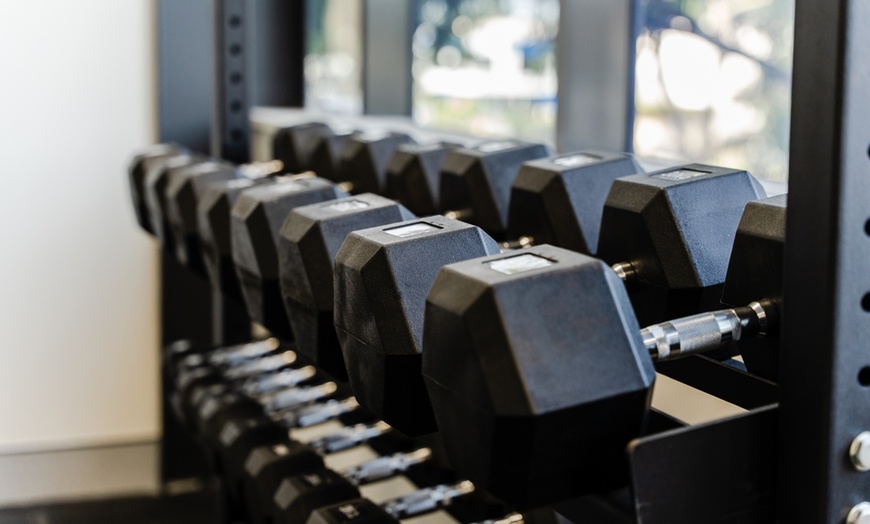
264	467
273	382
255	224
382	275
213	220
239	435
546	403
364	511
294	145
474	183
310	238
365	158
413	176
299	495
185	189
188	370
539	516
139	166
156	180
325	159
756	270
356	159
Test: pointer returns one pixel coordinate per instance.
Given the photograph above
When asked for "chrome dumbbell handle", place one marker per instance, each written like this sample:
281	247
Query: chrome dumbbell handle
705	331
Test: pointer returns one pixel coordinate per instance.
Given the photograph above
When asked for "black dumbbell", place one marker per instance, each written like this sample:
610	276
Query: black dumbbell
238	436
364	511
255	227
756	270
383	274
136	172
214	212
539	516
299	495
677	268
365	158
294	145
186	371
547	402
558	200
286	389
414	174
310	239
273	381
185	189
156	180
265	467
325	159
475	183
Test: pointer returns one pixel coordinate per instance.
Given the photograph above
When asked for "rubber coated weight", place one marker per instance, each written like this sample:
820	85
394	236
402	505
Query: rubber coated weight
537	373
255	227
310	239
382	276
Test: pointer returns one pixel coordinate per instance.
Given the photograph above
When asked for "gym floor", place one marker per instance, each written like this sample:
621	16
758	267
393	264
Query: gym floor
195	507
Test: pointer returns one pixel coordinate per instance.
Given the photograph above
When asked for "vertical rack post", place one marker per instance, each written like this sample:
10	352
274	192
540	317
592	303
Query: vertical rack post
230	122
387	59
595	56
825	398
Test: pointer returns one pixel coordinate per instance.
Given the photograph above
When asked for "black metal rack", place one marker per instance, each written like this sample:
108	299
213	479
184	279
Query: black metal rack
787	458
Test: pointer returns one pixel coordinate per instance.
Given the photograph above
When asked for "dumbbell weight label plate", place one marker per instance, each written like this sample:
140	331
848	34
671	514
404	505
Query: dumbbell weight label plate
493	147
209	408
682	174
229	434
581	159
519	264
346	206
410	230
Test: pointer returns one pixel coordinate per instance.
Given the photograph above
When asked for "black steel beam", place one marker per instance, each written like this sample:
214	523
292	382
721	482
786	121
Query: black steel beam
825	399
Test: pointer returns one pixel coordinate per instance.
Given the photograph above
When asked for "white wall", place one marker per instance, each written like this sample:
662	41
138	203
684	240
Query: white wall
78	292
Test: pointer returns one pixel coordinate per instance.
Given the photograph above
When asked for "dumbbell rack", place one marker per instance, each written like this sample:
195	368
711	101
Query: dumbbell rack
787	457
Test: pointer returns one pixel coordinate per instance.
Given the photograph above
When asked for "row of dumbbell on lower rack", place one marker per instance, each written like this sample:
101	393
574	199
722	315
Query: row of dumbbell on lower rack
503	332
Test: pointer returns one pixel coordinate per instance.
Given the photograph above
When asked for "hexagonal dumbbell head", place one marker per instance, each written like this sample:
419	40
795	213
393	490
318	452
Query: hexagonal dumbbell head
357	511
414	176
365	158
183	191
298	496
326	156
213	218
537	373
310	239
672	232
755	271
294	145
255	228
476	182
559	200
382	276
156	180
139	166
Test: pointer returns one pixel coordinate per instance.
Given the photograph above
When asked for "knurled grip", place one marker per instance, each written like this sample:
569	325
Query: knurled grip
692	334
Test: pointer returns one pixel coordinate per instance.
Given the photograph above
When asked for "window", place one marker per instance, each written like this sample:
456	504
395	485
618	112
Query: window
333	56
713	83
487	67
